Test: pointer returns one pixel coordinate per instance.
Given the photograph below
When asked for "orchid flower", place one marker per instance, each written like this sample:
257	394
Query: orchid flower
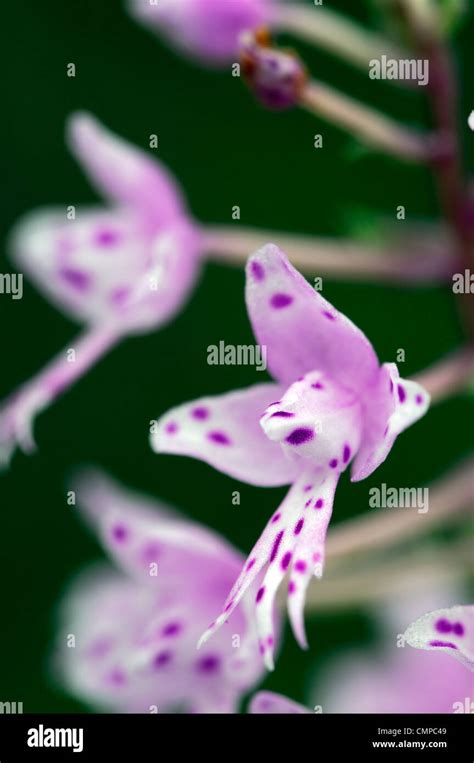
391	678
406	682
331	404
209	29
447	630
128	635
124	269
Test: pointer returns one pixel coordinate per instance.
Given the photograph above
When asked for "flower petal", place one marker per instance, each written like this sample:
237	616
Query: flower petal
224	431
447	630
293	541
105	266
151	543
302	331
267	702
123	173
207	29
391	405
134	650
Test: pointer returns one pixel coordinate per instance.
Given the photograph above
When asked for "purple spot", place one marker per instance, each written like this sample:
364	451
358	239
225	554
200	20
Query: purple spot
162	658
307	503
278	301
307	488
299	526
329	315
276	545
260	593
300	566
209	664
257	271
299	436
120	533
172	629
385	431
333	463
458	629
443	626
419	399
116	677
282	415
261	648
151	552
317	385
219	437
291	587
276	518
286	560
391	385
401	393
250	564
449	644
270	640
346	454
200	413
319	504
76	278
120	295
316	557
171	428
107	237
229	605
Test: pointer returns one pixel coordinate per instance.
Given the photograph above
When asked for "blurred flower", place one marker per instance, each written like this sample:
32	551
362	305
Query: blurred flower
446	630
128	637
267	702
334	404
121	270
207	29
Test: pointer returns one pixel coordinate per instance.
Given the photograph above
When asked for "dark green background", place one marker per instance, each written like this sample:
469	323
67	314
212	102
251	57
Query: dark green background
225	150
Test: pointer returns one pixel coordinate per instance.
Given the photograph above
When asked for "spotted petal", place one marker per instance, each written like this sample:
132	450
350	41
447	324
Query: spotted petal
447	630
292	542
302	331
134	649
269	703
390	406
224	431
123	173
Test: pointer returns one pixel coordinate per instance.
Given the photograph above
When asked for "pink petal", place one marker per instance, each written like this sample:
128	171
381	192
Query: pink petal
447	630
106	266
302	331
390	406
267	702
292	542
125	174
151	543
135	642
224	432
207	29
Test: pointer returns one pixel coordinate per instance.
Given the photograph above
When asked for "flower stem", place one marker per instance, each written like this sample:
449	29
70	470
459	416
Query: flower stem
369	125
335	33
18	412
452	190
338	258
449	375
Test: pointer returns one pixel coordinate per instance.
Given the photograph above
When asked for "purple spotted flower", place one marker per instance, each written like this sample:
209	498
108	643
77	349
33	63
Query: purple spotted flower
447	630
206	29
332	404
128	632
122	269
